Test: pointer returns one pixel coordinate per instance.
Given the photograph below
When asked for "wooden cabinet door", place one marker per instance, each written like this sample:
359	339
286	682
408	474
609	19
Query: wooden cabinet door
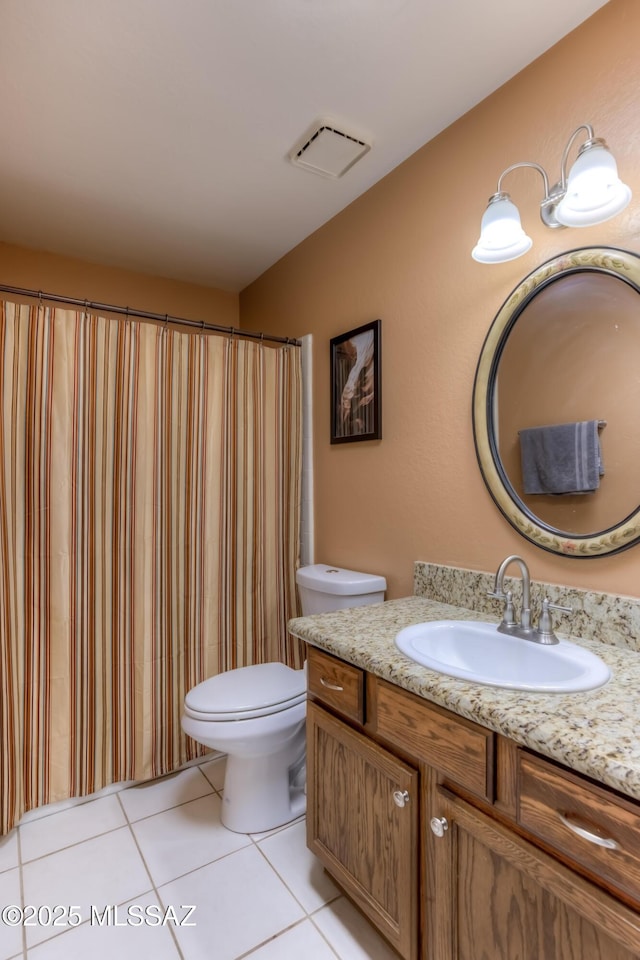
362	823
497	897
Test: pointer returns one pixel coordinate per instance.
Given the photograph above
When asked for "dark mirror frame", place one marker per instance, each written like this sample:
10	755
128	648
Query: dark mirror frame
609	260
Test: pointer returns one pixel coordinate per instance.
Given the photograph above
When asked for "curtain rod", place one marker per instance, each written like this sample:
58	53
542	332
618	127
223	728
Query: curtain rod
145	315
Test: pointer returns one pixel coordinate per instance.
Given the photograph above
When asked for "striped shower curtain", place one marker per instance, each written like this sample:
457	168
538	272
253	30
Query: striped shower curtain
149	534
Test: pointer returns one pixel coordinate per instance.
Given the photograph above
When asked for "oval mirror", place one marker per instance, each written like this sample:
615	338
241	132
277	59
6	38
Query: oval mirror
556	403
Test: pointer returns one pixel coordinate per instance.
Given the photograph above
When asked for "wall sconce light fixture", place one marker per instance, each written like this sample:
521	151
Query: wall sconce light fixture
591	194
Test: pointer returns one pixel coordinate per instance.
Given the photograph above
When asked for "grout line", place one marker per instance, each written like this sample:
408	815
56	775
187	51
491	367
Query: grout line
153	884
281	878
202	866
280	933
338	896
37	813
63	807
259	837
61	933
111	789
174	806
317	928
74	843
154	888
128	824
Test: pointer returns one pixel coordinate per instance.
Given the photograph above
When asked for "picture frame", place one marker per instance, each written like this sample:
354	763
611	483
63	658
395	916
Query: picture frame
356	400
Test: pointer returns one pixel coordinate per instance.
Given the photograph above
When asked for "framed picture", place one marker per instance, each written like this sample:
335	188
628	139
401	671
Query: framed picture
355	385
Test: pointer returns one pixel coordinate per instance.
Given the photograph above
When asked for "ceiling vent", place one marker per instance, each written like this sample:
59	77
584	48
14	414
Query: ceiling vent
328	151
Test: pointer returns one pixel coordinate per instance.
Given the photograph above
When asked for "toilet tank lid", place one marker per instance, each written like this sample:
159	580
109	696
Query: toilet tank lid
327	579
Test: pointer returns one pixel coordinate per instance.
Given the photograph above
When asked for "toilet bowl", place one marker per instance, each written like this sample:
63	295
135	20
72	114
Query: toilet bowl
256	715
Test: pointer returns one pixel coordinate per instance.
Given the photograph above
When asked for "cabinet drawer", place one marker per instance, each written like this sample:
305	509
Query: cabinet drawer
340	685
459	748
587	824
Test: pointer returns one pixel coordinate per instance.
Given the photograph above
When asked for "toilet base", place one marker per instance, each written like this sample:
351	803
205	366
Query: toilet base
264	792
265	774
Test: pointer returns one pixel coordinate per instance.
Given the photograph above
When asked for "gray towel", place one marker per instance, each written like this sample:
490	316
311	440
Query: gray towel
561	459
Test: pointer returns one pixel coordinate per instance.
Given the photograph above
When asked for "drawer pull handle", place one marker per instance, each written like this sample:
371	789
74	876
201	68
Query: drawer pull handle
331	686
588	834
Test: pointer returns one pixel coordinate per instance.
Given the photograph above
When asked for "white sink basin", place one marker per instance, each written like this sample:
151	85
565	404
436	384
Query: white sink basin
474	650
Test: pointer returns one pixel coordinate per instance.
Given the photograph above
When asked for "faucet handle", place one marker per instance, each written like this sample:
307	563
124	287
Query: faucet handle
508	614
545	626
496	594
555	606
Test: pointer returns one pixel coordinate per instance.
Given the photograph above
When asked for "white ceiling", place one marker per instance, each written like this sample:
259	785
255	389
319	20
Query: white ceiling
153	134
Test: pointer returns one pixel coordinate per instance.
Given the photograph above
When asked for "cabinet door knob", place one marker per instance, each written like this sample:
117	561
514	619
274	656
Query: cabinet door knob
330	686
401	797
439	825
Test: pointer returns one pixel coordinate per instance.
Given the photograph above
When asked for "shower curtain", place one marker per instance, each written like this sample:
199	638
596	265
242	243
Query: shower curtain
149	535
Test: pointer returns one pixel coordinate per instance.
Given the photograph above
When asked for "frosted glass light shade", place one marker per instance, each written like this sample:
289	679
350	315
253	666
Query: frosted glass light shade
595	193
501	235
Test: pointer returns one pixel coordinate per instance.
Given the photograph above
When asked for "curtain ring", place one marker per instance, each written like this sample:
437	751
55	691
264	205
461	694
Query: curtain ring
165	325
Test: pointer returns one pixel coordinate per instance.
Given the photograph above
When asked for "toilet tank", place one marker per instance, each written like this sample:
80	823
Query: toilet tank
323	588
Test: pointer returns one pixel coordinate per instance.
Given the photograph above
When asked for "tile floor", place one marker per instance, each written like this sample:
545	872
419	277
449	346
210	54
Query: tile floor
151	847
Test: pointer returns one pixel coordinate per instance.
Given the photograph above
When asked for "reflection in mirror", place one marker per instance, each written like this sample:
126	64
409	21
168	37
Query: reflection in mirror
562	349
573	356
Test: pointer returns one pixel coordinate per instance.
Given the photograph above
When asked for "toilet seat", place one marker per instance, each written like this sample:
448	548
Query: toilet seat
246	692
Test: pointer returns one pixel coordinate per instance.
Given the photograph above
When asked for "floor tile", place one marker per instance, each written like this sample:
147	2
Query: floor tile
240	903
351	936
10	937
128	940
185	838
58	806
303	940
43	836
302	872
269	833
104	870
154	796
9	851
214	772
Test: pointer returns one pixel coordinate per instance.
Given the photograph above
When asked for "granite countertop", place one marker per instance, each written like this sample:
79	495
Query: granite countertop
596	732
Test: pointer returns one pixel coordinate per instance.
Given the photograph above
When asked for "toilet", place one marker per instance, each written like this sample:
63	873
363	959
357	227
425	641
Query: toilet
256	715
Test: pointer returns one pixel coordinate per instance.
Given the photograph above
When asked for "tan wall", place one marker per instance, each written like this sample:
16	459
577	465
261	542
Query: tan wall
36	270
402	252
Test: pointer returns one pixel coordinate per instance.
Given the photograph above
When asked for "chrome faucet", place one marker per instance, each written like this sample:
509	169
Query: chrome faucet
544	632
509	624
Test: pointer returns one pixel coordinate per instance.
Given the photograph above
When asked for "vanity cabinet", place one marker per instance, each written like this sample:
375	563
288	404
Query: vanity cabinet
497	896
362	823
362	805
455	842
